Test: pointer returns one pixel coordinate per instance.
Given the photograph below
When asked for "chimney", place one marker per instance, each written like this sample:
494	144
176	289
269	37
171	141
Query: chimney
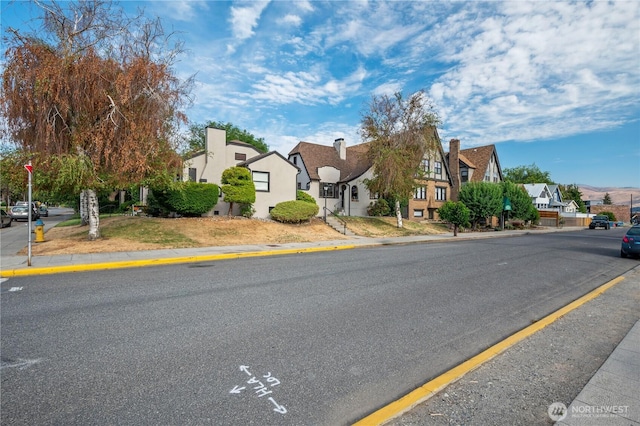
341	147
454	168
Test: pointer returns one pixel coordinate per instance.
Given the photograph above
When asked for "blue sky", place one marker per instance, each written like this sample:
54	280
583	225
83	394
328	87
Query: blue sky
556	84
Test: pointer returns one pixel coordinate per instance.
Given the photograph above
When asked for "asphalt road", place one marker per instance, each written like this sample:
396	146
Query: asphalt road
308	339
16	237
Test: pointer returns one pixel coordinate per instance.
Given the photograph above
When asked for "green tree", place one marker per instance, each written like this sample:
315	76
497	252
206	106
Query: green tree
521	205
572	192
71	99
607	199
527	174
238	187
483	199
195	139
456	213
400	133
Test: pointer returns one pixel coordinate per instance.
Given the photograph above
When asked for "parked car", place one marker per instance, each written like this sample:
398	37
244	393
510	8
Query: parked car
22	203
43	210
22	213
631	242
600	222
6	219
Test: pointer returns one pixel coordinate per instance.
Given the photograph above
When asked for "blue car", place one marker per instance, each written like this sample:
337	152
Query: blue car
631	242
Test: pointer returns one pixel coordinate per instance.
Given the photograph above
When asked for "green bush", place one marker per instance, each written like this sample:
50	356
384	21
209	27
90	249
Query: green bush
304	196
379	208
185	198
610	215
294	211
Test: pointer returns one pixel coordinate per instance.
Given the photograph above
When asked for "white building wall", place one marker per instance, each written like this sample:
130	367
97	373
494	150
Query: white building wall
282	184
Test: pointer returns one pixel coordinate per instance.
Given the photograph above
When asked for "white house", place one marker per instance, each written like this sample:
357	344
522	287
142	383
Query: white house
539	193
273	176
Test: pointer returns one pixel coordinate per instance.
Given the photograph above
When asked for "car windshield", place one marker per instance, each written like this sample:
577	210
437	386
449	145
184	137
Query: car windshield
19	209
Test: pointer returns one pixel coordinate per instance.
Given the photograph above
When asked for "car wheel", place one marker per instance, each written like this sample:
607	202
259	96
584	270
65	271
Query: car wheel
623	254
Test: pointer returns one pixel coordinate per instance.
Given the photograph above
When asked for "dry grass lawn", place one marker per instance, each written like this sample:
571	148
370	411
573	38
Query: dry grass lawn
132	233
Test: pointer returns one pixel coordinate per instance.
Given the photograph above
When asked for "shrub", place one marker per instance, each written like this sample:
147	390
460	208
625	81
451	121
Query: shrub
185	198
379	208
294	211
247	210
610	215
304	196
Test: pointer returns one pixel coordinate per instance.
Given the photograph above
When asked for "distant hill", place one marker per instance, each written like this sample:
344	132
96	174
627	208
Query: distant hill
618	195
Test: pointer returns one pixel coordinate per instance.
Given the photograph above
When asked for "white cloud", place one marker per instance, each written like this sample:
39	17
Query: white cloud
539	70
244	19
290	19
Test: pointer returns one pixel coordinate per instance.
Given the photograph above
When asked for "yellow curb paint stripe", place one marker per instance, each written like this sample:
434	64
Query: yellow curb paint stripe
429	389
156	262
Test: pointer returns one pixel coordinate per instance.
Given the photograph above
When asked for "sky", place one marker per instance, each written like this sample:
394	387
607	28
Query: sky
555	84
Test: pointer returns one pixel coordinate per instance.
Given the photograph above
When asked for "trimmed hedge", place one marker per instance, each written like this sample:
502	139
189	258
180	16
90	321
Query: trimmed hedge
294	211
186	198
304	196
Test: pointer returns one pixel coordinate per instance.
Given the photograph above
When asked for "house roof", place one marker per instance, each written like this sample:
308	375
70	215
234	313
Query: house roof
316	156
535	189
266	154
479	158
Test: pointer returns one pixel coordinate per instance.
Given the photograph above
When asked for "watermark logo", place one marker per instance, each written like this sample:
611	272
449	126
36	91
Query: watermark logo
557	411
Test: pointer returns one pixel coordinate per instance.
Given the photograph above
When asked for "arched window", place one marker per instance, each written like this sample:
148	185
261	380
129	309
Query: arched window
354	193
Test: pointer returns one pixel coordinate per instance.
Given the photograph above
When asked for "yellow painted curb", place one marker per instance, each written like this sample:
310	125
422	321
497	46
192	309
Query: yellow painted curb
155	262
429	389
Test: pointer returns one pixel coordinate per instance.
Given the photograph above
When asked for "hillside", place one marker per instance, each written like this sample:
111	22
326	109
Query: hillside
618	195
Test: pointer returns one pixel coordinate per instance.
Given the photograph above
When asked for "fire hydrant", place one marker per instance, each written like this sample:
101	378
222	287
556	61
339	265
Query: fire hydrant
39	231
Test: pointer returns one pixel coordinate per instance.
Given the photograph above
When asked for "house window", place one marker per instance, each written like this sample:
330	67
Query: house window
240	156
295	160
354	193
420	193
418	213
464	175
299	185
203	181
425	165
261	181
441	193
437	168
328	190
192	174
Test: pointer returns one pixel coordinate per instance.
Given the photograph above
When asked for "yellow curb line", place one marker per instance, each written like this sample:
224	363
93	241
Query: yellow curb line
155	262
429	389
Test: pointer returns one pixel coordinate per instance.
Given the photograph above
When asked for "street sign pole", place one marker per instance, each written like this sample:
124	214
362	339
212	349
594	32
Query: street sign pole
29	168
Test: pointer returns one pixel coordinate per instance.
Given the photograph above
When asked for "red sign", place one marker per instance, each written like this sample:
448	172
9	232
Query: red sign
29	167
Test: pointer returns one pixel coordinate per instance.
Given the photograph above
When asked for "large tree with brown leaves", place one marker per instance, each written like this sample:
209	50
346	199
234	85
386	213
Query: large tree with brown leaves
401	132
94	99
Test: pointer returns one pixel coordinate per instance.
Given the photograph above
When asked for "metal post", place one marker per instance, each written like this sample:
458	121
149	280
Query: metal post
30	213
325	187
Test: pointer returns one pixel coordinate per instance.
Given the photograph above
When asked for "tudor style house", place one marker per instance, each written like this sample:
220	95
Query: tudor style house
274	177
479	164
335	176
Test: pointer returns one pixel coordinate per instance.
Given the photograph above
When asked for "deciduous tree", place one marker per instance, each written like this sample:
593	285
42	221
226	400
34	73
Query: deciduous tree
527	174
196	137
94	99
400	132
483	199
456	213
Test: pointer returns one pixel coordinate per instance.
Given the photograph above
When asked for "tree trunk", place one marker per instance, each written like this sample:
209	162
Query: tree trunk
94	215
398	214
84	208
455	230
230	208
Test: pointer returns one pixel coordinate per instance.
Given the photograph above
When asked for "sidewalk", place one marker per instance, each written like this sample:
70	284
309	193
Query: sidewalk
611	392
12	265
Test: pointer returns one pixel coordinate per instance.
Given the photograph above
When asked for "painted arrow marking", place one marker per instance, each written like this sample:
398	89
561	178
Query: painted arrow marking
245	368
237	389
279	408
